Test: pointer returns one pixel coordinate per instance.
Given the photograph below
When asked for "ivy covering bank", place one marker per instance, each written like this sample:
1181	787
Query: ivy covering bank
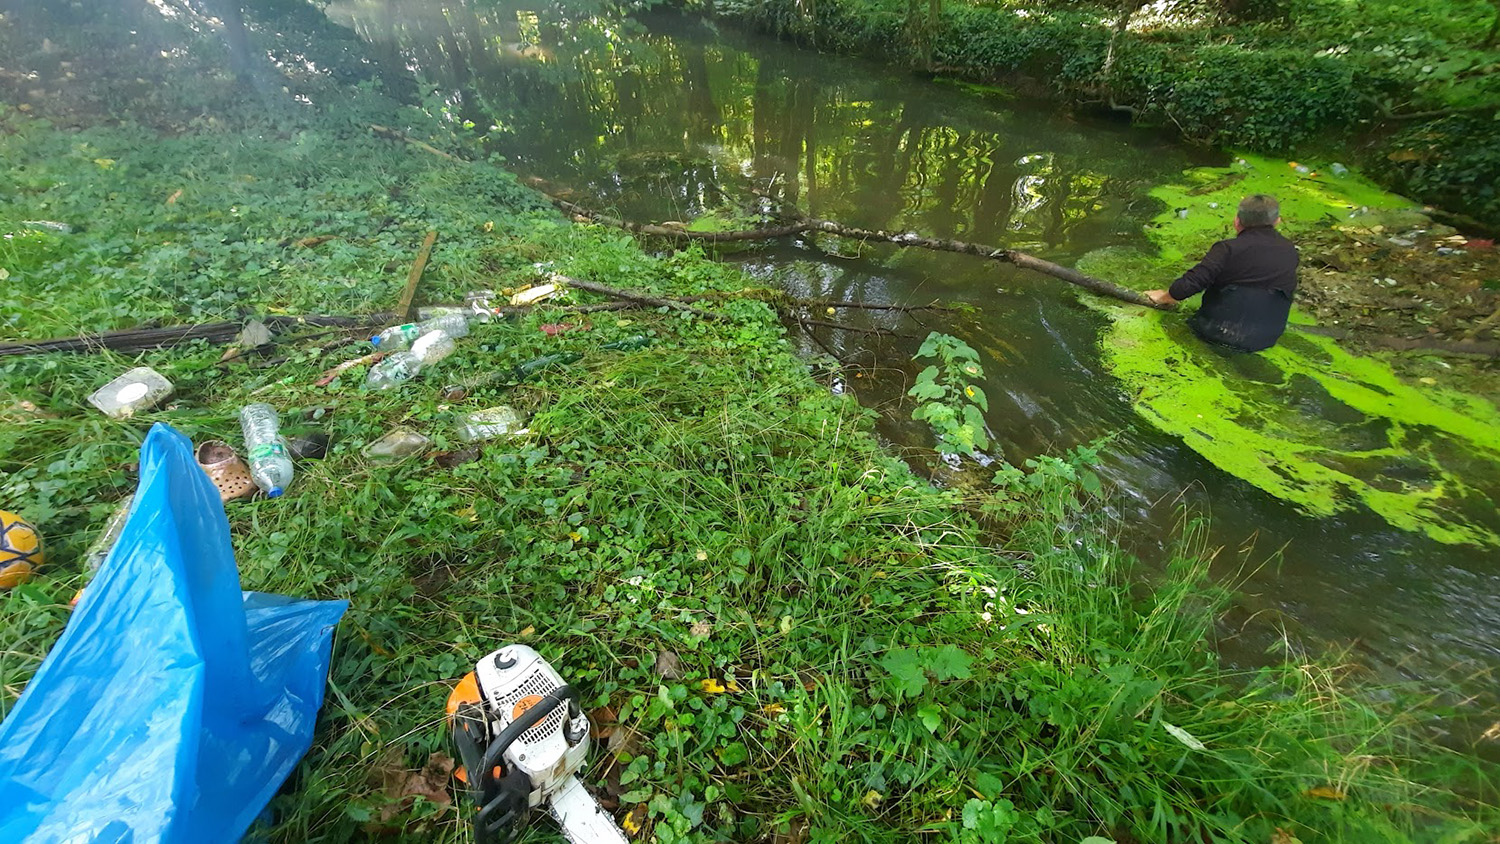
780	631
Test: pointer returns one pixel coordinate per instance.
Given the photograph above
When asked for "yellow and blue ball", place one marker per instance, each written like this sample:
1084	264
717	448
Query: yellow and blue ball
20	550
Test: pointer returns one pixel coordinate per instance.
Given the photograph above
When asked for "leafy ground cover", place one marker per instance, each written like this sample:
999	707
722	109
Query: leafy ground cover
783	634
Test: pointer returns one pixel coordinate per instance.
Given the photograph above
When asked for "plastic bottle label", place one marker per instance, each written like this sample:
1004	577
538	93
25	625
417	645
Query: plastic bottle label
400	369
266	451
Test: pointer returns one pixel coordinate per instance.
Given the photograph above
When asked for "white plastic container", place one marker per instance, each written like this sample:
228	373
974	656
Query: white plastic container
139	389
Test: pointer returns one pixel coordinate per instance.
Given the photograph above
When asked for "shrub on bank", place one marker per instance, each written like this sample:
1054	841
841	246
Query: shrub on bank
1252	85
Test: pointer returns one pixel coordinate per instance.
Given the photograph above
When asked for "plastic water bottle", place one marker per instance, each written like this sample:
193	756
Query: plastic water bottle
404	365
270	465
433	346
399	337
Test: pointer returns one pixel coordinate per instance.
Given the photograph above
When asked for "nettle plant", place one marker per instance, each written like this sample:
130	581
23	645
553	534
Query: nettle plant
948	399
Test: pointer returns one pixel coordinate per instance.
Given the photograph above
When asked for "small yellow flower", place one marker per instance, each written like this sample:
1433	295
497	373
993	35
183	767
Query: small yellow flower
575	536
489	225
701	555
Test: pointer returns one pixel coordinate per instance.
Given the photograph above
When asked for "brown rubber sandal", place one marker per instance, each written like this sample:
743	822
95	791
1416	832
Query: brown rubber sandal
225	468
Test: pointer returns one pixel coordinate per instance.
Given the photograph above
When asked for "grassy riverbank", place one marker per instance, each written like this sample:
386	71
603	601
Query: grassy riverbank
1409	90
781	632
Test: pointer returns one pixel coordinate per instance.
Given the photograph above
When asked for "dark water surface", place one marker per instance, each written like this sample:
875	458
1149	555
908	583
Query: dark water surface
667	121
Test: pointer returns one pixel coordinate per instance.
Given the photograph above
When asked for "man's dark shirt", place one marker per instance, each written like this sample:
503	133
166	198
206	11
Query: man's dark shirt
1247	284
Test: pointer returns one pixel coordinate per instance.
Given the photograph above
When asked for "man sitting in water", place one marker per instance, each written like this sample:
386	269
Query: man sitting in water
1247	281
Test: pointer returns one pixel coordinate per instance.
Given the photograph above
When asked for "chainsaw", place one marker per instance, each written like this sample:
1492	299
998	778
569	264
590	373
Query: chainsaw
522	736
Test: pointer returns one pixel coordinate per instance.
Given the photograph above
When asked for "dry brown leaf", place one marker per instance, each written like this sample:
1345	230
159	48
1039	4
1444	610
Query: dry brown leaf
668	665
1324	792
635	822
1282	836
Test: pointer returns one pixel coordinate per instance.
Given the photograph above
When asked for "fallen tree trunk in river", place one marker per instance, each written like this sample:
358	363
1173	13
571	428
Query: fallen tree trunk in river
907	239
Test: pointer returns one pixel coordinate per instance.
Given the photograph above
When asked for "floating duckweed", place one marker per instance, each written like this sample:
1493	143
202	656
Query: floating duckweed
1305	421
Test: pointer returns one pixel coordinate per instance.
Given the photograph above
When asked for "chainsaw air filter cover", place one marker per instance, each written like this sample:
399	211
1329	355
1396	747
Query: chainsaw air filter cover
511	681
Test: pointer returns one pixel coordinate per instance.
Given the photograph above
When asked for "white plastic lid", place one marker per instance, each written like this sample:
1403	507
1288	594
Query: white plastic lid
132	392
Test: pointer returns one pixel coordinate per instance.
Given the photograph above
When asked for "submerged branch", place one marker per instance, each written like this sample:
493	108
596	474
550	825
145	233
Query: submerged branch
904	239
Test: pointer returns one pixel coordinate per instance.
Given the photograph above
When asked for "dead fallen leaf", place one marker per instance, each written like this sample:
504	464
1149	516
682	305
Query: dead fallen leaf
1324	792
711	686
1282	836
450	459
668	665
604	721
635	822
176	195
701	629
402	786
309	242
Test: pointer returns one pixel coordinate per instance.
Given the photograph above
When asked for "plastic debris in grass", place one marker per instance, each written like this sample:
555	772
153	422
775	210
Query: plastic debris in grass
397	445
139	389
174	705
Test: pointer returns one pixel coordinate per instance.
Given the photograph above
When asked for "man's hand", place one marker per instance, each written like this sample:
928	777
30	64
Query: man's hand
1160	297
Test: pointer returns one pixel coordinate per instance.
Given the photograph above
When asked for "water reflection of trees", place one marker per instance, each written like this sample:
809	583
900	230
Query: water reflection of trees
636	116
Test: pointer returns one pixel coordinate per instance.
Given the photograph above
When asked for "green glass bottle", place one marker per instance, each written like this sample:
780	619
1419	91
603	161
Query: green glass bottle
629	344
532	367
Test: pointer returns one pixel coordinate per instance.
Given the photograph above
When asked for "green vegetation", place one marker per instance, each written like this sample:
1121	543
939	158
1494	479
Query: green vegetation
1418	79
1425	458
949	399
786	634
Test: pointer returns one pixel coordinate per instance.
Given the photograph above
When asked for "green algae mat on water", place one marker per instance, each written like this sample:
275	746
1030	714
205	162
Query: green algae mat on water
1306	421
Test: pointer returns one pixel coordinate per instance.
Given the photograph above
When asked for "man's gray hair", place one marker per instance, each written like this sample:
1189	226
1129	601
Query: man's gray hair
1259	210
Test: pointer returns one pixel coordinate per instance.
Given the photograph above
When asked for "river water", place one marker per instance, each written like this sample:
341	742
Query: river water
671	119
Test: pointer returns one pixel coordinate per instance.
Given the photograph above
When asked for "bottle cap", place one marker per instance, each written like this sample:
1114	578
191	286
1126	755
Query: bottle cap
375	339
274	492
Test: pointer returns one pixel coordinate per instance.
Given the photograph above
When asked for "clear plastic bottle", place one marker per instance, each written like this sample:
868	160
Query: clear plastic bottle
399	337
434	346
270	464
404	365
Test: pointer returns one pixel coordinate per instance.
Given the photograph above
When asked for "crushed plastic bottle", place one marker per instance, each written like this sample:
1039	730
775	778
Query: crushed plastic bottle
490	424
139	389
270	464
1338	169
398	444
399	337
404	365
94	557
395	369
434	346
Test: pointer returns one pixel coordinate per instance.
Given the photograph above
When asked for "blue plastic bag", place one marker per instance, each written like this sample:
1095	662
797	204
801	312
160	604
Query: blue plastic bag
174	705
